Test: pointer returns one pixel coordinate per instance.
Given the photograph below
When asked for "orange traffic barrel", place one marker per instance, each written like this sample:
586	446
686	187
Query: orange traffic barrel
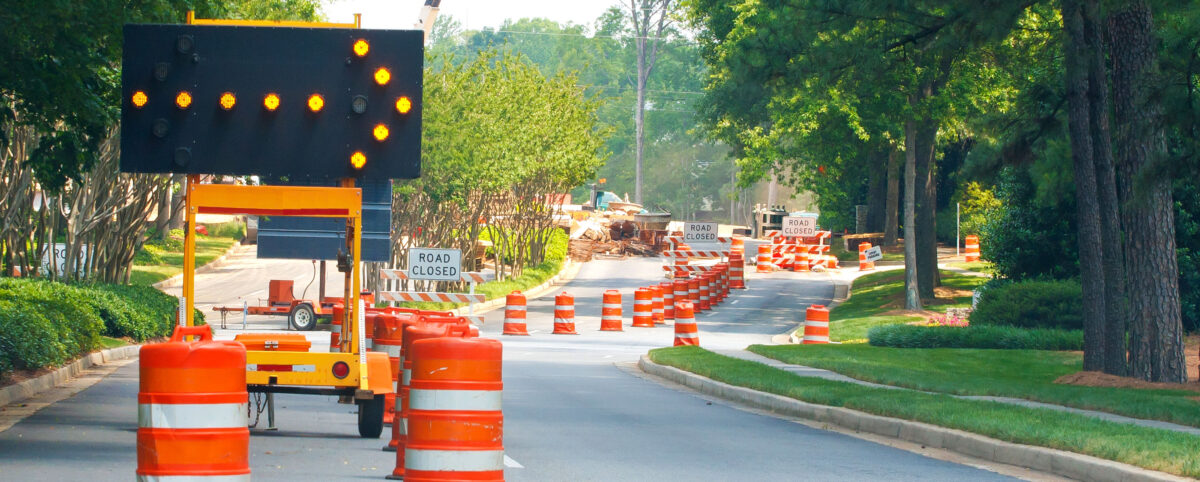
388	339
816	325
564	314
705	282
668	298
863	264
737	245
656	306
514	314
419	329
737	266
643	308
693	291
610	311
192	404
764	258
682	293
971	248
681	263
802	262
455	422
686	331
335	330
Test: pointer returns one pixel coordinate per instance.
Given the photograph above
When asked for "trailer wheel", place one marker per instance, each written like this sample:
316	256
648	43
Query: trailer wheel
370	417
302	318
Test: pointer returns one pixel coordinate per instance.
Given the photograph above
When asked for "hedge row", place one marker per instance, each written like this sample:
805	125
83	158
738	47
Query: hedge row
1031	304
45	324
997	337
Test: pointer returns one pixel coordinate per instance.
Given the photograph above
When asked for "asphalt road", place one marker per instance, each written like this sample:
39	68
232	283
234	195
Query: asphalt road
574	408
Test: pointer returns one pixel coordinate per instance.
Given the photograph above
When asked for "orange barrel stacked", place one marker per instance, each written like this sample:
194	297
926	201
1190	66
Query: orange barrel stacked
705	283
388	339
802	262
863	264
682	292
656	308
514	314
971	248
564	314
737	245
643	308
737	276
422	328
816	325
335	330
681	261
192	404
610	311
668	297
764	258
686	331
455	422
693	291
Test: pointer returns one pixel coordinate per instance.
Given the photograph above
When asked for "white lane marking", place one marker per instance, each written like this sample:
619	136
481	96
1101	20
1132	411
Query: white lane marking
734	302
509	462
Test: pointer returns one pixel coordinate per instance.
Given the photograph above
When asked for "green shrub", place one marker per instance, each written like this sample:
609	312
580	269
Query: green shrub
1032	304
74	322
27	339
159	308
996	337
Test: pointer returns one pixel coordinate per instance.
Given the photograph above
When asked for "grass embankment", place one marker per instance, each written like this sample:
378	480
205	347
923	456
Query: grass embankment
169	262
877	299
1149	448
1027	374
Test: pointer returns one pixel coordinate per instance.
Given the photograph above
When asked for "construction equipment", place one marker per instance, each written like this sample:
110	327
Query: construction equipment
281	301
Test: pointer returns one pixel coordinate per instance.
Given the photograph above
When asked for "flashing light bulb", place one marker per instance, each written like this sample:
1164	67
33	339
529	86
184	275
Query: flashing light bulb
183	100
382	76
316	102
271	102
361	47
228	100
403	105
381	132
139	99
358	160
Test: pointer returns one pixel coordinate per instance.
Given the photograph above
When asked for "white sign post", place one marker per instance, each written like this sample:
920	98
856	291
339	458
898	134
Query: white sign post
802	226
873	254
700	232
434	264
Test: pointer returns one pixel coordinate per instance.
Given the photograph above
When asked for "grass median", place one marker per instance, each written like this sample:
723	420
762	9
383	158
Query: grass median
1154	449
878	298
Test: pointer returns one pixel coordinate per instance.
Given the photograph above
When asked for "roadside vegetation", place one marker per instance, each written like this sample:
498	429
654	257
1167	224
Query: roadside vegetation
877	299
162	258
1154	449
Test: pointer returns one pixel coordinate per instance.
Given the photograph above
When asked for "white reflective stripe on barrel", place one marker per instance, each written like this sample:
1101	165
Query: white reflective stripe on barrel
564	307
337	329
192	415
391	350
685	334
425	399
407	377
611	305
453	460
194	478
515	308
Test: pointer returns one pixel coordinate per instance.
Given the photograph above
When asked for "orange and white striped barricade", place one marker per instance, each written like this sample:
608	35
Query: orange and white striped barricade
681	264
455	422
192	405
686	331
737	276
430	296
764	259
418	329
472	278
514	314
656	306
863	264
643	308
816	325
610	311
564	314
703	281
971	248
667	289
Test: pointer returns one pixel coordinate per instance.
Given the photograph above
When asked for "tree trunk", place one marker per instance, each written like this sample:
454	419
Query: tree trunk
1156	330
1116	314
876	195
164	212
926	207
912	297
177	214
891	225
639	120
1091	255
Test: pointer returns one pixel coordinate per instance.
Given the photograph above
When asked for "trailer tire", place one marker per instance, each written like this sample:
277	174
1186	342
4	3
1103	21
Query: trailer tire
370	417
302	318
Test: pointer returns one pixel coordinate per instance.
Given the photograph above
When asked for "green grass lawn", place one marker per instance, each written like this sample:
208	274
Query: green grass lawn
878	293
529	278
208	248
1027	374
1154	449
984	267
109	342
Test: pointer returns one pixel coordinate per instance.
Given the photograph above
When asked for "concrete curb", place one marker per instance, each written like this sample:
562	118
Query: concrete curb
211	265
565	274
1058	462
31	387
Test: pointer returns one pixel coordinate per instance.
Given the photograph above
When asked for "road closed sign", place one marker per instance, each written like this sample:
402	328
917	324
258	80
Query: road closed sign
434	264
700	232
805	226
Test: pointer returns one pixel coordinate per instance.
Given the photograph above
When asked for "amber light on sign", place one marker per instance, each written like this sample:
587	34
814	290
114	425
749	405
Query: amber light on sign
381	132
361	47
316	102
358	160
403	105
271	101
382	76
139	99
183	100
228	100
